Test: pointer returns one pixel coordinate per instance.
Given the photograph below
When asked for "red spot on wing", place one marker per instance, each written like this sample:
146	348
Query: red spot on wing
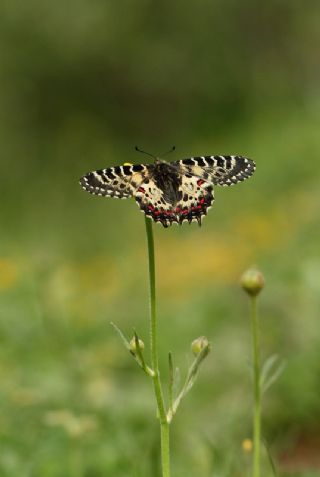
200	182
196	209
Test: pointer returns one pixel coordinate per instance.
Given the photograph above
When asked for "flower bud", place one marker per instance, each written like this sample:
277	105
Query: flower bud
252	281
247	446
133	345
199	344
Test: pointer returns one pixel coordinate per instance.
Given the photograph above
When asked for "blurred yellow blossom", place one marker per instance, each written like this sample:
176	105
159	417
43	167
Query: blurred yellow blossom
247	446
99	391
8	273
26	397
82	286
74	426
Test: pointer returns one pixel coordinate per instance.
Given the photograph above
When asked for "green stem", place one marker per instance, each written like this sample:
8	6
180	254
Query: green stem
257	389
164	425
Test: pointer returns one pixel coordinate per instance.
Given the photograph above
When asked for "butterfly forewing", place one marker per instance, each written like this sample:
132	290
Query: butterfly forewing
220	170
119	181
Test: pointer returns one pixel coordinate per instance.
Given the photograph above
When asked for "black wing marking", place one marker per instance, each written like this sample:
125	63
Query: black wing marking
219	170
119	181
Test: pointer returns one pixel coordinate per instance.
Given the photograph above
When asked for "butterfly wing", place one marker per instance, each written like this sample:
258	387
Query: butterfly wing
219	170
195	198
150	198
119	181
131	181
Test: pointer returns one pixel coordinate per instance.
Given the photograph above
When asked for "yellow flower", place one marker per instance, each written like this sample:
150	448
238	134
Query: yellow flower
8	274
247	446
74	426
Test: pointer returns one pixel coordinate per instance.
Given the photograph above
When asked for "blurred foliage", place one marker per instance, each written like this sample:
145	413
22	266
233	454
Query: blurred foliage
80	84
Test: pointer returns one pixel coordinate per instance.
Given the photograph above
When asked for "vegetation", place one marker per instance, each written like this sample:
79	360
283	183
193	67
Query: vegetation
80	85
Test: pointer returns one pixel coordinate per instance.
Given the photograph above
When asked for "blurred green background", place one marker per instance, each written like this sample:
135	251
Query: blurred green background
81	83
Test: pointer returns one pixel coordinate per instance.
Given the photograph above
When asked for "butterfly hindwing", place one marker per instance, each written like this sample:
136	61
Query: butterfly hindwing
119	181
150	199
196	198
219	170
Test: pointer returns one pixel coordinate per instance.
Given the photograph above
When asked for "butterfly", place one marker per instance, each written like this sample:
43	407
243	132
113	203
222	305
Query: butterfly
170	192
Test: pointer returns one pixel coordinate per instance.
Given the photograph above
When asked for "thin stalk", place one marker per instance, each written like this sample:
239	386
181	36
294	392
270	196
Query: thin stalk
164	425
257	388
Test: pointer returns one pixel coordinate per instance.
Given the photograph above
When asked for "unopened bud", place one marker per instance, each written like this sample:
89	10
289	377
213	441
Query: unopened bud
199	344
133	345
252	281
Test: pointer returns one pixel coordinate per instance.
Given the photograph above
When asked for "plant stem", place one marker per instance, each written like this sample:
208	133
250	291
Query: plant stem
164	425
257	388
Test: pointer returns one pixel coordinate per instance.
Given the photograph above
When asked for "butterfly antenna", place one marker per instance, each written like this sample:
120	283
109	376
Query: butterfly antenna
144	152
168	152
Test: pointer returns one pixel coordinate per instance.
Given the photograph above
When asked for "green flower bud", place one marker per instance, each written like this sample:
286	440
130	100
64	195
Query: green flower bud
252	281
133	347
199	344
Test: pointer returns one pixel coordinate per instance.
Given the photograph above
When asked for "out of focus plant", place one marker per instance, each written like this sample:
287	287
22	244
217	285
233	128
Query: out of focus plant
252	281
199	347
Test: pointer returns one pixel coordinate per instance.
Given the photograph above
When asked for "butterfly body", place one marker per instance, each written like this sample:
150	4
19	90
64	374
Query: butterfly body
166	178
170	192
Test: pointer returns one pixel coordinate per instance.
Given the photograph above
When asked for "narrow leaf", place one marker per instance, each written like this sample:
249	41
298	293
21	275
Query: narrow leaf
139	358
272	464
267	366
171	381
278	371
191	376
123	338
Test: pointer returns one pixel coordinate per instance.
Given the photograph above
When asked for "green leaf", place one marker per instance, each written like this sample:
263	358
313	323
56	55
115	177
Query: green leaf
191	376
272	464
138	356
271	371
266	368
171	381
123	338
